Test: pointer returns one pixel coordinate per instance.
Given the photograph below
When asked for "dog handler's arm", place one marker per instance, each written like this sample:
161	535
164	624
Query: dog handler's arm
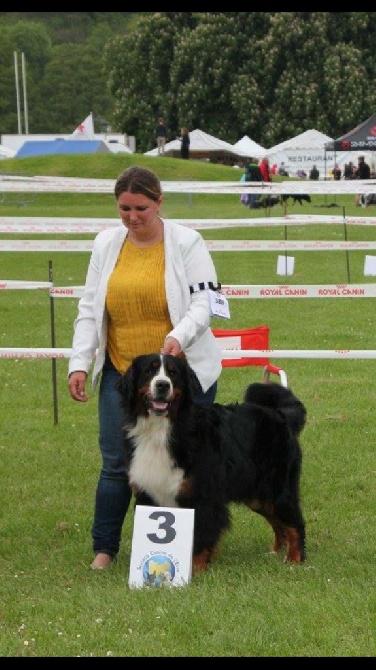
76	385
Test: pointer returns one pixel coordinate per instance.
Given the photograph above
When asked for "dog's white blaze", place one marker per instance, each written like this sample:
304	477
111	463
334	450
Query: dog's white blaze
152	469
161	376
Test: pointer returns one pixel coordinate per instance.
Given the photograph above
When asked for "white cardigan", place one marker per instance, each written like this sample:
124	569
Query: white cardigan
187	262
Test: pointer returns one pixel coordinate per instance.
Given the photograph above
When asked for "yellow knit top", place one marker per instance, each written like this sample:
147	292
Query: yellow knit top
138	318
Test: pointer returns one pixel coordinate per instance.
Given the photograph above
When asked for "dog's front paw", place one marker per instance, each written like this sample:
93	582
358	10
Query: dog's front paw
201	561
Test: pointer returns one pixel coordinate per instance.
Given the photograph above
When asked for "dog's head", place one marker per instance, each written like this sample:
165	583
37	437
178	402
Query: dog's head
157	384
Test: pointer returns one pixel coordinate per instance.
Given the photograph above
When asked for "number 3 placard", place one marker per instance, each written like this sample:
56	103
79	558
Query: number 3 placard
162	547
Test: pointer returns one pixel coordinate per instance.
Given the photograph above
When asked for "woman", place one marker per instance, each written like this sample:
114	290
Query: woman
137	299
185	143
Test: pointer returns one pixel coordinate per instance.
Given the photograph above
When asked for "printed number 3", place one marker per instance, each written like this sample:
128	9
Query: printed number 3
166	527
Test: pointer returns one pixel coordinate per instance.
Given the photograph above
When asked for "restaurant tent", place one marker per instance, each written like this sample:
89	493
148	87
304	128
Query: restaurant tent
301	152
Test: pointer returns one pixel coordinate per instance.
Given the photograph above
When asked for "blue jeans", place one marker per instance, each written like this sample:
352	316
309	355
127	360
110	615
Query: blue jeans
113	493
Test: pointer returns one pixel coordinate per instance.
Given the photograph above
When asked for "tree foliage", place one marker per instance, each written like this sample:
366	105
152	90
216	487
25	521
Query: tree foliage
269	75
65	79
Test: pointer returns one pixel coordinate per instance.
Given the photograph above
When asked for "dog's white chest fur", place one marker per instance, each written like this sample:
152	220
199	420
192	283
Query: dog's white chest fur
152	470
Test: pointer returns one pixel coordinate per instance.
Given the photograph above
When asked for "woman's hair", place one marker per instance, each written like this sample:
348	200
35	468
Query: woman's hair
138	180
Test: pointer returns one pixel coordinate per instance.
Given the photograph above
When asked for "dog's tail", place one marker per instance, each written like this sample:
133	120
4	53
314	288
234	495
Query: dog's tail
278	397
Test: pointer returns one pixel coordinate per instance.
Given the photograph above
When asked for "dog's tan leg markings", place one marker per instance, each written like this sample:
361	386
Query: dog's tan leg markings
293	554
281	538
284	536
200	561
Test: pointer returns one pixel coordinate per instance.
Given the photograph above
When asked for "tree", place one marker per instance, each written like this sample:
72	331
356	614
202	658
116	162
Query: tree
270	75
215	75
64	81
8	99
73	86
31	40
139	75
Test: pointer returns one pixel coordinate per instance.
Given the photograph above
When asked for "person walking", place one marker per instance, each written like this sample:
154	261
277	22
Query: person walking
161	135
147	289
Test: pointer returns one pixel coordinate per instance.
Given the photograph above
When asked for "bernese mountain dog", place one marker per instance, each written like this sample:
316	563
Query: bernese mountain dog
182	454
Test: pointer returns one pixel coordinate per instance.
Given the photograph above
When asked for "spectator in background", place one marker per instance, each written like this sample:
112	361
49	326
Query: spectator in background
337	172
314	173
160	135
273	169
363	171
282	170
252	173
185	142
349	170
264	169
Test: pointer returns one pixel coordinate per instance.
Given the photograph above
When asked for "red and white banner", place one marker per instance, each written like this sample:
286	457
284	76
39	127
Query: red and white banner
300	291
241	291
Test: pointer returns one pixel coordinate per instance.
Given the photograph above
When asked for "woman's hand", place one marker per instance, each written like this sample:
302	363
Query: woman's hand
76	385
171	346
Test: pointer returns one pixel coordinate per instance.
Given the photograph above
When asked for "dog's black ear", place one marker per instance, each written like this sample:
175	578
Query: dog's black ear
193	382
126	387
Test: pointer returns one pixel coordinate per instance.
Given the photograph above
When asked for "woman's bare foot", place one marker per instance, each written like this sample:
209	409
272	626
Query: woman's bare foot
101	561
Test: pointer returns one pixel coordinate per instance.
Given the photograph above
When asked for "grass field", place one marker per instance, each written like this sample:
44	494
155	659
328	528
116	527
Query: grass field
249	603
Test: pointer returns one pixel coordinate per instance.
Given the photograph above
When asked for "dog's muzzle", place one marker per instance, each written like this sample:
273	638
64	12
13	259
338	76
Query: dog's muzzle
159	398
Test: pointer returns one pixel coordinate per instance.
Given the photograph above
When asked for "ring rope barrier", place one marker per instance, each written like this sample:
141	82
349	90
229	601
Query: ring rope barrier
213	245
40	184
44	225
338	354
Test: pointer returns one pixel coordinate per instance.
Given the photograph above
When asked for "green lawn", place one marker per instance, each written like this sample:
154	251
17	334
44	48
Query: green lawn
249	603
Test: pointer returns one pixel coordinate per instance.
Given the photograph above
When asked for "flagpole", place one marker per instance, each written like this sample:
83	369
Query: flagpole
17	93
26	114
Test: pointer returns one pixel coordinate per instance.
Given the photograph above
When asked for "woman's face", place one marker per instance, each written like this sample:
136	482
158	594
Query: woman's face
138	213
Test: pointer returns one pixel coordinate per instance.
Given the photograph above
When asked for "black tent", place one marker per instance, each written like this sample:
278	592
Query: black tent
361	138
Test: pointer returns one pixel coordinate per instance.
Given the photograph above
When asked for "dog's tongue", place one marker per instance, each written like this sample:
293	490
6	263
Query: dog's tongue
160	406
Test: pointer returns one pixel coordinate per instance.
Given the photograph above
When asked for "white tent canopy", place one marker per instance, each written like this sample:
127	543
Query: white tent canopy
5	152
202	145
308	149
301	153
248	148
